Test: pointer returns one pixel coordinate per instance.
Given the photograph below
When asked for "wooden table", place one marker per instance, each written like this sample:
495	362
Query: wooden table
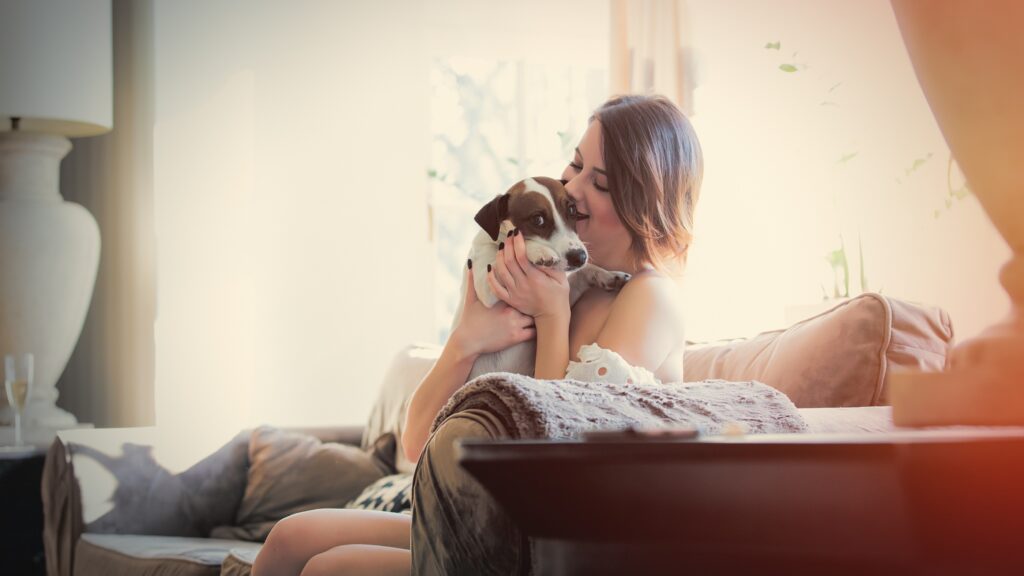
932	502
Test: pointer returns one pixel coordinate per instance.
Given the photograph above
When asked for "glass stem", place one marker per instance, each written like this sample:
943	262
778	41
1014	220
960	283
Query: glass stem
17	428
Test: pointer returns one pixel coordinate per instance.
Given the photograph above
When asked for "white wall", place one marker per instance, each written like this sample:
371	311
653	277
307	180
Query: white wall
290	150
776	195
291	145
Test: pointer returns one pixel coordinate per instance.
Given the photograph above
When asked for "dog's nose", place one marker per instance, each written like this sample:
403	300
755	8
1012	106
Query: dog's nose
576	258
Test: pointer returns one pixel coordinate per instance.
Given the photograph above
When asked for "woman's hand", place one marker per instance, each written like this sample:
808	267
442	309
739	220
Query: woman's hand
482	330
534	290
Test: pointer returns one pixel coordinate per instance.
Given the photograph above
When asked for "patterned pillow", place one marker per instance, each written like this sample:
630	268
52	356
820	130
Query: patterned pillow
389	494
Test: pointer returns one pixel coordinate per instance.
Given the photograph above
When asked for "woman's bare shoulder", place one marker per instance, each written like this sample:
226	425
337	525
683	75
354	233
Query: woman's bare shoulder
639	323
654	289
657	299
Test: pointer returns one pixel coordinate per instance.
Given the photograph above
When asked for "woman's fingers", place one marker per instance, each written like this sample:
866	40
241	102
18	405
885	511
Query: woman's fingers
519	249
497	287
512	260
553	273
500	270
470	295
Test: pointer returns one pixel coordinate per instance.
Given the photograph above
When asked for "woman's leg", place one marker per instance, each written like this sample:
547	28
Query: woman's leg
360	560
299	537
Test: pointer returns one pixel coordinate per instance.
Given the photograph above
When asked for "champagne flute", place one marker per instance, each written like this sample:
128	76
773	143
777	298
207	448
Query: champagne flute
18	370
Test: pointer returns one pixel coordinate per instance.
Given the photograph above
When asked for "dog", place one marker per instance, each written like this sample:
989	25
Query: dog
546	216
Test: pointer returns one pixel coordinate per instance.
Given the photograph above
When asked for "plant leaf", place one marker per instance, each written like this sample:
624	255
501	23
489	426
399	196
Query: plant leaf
773	45
787	67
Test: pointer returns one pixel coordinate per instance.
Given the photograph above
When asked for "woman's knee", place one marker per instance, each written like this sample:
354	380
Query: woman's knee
286	540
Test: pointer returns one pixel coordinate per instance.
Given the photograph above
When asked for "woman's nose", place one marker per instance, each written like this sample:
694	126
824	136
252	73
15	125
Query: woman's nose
569	187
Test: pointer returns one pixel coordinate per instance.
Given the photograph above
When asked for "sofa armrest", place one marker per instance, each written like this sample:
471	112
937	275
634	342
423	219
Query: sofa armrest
138	481
146	481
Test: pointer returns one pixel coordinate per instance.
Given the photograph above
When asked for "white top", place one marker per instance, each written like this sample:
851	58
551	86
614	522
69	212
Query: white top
601	365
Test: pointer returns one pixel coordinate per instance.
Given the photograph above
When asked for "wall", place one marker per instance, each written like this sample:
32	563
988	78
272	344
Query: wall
290	152
845	144
263	200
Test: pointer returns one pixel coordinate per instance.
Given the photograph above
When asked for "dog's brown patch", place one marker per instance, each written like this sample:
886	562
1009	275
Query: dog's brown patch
533	213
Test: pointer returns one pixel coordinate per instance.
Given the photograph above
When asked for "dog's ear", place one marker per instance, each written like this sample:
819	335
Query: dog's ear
492	214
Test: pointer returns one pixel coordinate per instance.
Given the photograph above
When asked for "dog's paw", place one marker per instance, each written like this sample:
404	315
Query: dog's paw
613	281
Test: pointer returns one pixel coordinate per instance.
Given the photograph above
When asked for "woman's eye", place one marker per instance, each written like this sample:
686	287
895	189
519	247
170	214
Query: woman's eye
599	187
538	220
576	166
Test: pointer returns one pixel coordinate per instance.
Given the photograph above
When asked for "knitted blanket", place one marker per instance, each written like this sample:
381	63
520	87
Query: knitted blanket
457	526
563	409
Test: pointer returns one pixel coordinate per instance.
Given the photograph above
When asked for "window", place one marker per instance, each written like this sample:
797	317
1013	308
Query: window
495	122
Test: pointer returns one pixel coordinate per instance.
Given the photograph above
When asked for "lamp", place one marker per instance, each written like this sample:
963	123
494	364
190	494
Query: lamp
55	82
969	59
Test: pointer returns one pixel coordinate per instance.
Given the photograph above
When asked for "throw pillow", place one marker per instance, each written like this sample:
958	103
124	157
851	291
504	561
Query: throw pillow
838	358
291	472
389	494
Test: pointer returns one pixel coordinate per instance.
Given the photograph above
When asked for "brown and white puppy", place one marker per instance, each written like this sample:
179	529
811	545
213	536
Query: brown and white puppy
545	215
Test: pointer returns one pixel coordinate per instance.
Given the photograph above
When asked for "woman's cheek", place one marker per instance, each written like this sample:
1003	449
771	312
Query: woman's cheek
605	217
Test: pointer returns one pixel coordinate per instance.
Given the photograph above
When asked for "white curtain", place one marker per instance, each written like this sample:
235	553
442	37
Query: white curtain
650	52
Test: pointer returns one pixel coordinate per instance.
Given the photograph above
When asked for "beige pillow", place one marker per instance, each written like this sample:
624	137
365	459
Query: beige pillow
291	472
837	358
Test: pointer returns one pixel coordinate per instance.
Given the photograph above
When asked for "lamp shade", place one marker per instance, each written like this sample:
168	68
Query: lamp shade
56	67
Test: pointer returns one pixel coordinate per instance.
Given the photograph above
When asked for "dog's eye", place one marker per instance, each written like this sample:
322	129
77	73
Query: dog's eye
572	211
538	220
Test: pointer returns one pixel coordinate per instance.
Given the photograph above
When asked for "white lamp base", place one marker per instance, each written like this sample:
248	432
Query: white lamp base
49	255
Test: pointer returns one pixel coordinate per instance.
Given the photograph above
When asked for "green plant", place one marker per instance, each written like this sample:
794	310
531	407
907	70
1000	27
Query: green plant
840	271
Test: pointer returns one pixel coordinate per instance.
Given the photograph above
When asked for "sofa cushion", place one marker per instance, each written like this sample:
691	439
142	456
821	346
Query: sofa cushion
838	358
291	472
134	555
239	562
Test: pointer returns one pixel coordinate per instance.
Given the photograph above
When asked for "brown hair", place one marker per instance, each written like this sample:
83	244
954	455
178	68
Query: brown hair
654	166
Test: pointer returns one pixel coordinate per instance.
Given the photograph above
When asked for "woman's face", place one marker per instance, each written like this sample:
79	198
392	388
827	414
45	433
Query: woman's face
599	226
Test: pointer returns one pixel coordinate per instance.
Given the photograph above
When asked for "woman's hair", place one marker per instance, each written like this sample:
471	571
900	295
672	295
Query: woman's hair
654	165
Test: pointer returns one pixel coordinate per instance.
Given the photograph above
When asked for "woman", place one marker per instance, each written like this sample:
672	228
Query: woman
635	178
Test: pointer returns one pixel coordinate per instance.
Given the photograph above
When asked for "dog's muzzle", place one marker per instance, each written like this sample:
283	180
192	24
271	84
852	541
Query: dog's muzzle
576	258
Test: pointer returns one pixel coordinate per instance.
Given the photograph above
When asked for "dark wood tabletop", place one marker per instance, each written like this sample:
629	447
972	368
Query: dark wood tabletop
907	501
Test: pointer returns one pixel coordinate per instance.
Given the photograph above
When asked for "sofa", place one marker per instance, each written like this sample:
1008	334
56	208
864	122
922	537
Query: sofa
156	501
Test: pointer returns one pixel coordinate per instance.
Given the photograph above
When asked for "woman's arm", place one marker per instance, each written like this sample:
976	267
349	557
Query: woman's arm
552	347
446	376
480	330
543	293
